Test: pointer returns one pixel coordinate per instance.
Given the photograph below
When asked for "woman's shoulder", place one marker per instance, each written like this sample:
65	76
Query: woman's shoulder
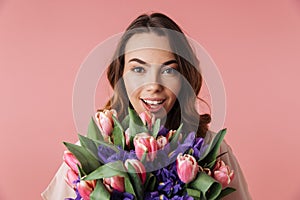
58	188
210	135
239	181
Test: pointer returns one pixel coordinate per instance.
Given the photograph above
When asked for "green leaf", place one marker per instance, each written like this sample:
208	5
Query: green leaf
118	133
81	172
110	145
209	157
208	186
144	156
135	117
150	182
196	194
108	170
175	137
135	125
226	192
93	131
88	162
156	128
89	144
100	192
135	181
129	187
125	122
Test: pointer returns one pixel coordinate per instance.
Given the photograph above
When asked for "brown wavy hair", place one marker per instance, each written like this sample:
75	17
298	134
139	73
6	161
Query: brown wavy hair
184	109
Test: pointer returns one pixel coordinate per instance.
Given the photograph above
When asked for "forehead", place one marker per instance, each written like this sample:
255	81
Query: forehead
150	40
149	47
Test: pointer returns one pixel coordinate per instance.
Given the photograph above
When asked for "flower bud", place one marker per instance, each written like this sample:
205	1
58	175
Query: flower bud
106	122
143	142
139	168
223	173
127	137
71	161
148	119
187	167
171	133
85	188
71	178
115	182
162	141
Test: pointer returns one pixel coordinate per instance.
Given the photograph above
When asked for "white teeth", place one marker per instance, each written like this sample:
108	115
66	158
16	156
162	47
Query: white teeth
153	102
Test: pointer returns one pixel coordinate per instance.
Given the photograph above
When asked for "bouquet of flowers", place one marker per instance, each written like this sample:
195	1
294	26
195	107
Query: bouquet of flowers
138	158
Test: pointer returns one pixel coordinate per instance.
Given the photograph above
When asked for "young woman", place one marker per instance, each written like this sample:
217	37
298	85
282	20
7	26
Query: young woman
155	69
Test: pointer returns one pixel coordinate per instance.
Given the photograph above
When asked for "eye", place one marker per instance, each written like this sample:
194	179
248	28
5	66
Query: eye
138	69
170	70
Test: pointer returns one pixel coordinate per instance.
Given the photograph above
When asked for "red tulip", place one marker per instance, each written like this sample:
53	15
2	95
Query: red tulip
187	167
106	122
162	141
71	161
148	119
71	178
223	173
115	182
139	168
85	188
143	142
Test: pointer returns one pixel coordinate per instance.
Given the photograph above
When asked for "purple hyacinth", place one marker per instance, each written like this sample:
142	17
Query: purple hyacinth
197	148
156	196
168	185
116	195
106	154
163	131
78	196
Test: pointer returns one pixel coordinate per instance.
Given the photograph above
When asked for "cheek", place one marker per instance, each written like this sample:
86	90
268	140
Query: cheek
131	86
173	86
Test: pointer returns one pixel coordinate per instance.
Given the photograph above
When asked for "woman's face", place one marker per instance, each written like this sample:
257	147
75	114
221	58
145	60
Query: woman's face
150	76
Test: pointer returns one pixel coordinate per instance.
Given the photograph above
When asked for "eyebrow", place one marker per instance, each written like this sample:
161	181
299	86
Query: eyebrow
144	63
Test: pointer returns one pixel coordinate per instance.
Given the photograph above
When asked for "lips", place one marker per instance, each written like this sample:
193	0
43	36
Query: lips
153	104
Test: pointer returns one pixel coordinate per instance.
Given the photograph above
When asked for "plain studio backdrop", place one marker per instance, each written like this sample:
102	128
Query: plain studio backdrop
255	45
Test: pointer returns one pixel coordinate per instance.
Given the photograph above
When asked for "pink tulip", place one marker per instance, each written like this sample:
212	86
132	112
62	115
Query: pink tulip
162	141
143	142
127	137
171	133
85	188
148	119
115	182
205	170
187	167
106	122
71	161
139	168
71	178
223	173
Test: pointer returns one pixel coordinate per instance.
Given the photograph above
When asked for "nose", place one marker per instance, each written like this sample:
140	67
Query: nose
152	82
153	87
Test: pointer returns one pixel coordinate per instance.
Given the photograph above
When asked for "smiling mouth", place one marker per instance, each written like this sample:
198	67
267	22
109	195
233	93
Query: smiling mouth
153	102
153	105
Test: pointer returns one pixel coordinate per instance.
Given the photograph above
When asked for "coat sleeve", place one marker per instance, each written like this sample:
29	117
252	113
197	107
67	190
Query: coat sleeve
58	189
239	181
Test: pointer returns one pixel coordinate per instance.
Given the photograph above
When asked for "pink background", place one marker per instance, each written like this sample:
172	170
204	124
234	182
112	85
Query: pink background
256	47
